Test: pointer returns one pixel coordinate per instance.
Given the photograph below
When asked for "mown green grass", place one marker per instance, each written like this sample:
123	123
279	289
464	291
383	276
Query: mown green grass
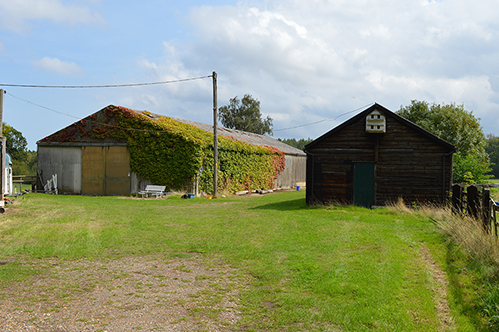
311	268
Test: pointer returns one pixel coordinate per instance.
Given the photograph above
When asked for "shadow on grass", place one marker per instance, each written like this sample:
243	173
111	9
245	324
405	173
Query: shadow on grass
296	204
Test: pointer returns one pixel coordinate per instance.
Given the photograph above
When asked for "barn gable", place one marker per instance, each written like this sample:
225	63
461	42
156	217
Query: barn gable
377	157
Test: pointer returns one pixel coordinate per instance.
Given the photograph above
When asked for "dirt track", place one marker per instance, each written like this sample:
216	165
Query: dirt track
130	294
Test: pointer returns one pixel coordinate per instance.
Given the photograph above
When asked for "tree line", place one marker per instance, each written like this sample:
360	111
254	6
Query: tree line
492	148
476	158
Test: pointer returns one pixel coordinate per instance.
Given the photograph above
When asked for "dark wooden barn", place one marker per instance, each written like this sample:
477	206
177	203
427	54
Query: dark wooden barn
377	157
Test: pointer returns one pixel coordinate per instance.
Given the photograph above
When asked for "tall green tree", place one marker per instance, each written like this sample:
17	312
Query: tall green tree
458	126
23	161
492	149
16	143
244	114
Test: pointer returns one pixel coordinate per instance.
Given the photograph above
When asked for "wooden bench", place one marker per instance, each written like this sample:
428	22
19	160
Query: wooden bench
158	191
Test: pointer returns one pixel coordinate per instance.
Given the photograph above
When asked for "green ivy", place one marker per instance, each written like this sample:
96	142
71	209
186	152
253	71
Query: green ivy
172	153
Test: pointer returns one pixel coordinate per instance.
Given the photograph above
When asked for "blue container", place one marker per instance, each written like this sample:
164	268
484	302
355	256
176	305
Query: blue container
190	196
298	188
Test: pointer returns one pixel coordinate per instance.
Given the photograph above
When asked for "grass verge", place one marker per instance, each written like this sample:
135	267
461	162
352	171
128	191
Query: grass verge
320	268
472	259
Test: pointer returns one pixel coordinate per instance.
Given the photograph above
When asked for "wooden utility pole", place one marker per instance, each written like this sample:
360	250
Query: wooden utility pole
215	136
2	157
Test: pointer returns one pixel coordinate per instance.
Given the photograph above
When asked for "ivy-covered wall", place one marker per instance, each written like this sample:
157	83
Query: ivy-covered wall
171	153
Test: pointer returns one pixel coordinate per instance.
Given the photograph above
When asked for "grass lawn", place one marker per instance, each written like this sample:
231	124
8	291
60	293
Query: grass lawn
494	191
311	268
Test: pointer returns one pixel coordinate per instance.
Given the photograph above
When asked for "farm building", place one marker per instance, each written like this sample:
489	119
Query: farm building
118	151
377	157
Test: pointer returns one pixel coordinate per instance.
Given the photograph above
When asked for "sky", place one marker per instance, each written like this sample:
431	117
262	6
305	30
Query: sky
312	64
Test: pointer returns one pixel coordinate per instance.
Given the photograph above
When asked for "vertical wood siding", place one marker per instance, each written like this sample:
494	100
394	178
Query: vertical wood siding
409	165
294	172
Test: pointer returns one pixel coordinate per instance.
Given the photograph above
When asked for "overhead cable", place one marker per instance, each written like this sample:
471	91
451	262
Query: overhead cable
324	120
101	86
50	109
78	118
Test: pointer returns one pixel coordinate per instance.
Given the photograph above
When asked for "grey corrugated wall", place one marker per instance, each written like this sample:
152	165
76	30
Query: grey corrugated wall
63	161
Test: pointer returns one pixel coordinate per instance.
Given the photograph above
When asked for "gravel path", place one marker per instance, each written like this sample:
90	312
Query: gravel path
130	294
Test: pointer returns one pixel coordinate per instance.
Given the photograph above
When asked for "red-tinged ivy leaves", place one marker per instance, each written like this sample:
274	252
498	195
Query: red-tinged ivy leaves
172	153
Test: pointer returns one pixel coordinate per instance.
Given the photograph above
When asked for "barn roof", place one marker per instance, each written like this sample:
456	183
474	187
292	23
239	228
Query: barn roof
242	136
386	112
239	135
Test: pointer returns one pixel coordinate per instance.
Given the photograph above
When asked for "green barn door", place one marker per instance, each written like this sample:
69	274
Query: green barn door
363	187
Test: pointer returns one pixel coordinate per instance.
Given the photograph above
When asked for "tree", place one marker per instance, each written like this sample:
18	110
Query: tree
492	149
23	161
15	142
299	144
245	115
459	127
470	169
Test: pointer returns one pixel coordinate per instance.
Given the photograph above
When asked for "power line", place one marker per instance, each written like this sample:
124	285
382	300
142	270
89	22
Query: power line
102	86
78	118
38	105
283	129
91	86
323	120
86	120
140	84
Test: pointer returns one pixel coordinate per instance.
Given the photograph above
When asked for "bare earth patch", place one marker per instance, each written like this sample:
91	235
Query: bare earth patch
440	285
129	294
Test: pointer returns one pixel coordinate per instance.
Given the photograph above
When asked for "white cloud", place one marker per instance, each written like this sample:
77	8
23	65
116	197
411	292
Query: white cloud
15	14
379	31
262	41
57	66
440	89
316	59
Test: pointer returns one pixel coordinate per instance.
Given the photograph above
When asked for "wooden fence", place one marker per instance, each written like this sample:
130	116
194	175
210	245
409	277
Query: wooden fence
476	201
24	179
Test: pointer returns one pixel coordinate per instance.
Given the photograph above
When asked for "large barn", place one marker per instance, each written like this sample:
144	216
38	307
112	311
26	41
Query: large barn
98	155
377	157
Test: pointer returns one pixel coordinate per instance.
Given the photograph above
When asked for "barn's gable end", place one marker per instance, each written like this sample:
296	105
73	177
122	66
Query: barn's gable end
361	118
407	162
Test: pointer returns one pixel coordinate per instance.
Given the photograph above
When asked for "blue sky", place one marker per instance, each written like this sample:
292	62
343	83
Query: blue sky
305	61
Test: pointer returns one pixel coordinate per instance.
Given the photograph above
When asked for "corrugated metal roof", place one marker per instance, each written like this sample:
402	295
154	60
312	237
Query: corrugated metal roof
243	136
250	138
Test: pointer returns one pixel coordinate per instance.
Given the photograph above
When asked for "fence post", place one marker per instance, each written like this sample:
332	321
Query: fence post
494	218
473	201
457	201
486	209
